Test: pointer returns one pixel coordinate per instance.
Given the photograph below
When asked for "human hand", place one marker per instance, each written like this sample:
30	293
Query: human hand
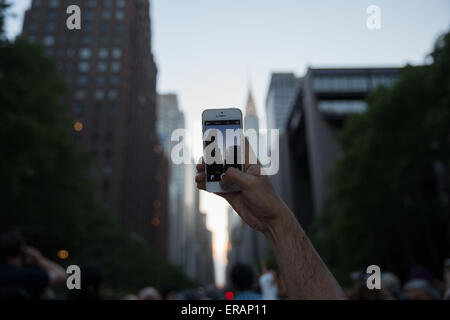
257	203
32	256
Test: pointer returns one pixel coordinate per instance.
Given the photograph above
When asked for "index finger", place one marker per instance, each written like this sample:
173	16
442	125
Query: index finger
200	165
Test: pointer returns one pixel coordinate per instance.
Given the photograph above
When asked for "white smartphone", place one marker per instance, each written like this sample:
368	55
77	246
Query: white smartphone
222	145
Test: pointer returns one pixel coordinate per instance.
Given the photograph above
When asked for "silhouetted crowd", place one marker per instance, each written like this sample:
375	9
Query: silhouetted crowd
27	275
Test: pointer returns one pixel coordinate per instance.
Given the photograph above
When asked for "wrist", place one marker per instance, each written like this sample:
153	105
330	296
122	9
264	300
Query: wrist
281	225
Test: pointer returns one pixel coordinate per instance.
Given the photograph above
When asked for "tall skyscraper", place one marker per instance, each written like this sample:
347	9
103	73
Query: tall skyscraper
328	96
282	91
170	118
197	253
109	68
189	240
251	121
280	98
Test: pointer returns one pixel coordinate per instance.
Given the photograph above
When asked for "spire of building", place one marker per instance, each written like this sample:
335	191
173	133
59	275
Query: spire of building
250	109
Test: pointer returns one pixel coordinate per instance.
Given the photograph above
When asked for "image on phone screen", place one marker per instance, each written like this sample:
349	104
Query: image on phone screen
215	170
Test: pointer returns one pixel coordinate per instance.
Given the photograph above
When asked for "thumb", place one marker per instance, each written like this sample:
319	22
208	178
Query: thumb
235	176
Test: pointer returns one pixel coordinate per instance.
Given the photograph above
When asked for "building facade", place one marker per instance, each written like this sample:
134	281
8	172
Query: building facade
281	94
197	252
109	69
170	118
325	100
189	240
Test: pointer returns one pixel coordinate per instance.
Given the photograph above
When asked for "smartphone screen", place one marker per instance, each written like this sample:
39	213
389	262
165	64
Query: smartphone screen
222	150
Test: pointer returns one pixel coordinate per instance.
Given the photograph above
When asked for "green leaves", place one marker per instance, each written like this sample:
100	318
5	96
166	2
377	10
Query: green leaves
46	188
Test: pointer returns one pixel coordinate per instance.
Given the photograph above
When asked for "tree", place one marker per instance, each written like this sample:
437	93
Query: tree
390	188
46	189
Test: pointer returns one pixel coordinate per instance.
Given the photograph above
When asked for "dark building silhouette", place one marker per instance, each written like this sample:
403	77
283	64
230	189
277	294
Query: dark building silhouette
326	98
109	68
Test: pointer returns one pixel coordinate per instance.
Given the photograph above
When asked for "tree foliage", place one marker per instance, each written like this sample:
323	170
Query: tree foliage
46	189
390	188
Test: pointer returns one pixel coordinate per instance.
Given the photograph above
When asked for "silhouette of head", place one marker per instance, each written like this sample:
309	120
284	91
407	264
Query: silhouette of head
242	277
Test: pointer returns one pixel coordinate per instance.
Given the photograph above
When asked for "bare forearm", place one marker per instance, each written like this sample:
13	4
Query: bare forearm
303	271
56	272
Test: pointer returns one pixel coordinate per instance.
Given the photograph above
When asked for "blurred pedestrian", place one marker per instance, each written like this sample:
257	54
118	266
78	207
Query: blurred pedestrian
243	280
169	292
267	283
417	289
91	282
390	286
149	293
24	271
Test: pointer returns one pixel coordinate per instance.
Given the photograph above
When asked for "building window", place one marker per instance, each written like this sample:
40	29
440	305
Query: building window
70	53
104	40
118	28
342	107
103	53
85	53
120	15
51	27
117	40
53	3
77	109
99	95
80	95
49	40
142	99
89	15
101	66
83	67
107	170
117	53
92	3
114	80
51	14
100	80
112	95
107	15
86	40
87	27
115	67
82	81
